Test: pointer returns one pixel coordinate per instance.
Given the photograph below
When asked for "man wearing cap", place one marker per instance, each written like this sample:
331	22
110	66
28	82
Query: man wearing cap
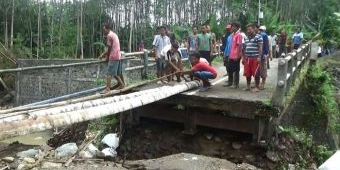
265	56
235	55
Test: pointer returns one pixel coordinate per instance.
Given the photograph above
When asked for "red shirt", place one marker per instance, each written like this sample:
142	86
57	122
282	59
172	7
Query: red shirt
113	42
236	43
201	66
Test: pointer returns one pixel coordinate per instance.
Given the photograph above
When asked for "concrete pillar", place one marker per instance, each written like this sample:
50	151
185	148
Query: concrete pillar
281	86
290	72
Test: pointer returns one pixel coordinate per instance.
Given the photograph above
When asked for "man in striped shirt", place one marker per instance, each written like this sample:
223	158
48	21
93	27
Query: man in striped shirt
253	53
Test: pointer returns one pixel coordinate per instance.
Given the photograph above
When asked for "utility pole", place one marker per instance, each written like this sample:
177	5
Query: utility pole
258	18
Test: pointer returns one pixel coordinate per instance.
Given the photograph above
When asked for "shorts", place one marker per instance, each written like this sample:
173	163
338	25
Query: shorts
160	64
234	65
204	75
206	55
251	67
114	68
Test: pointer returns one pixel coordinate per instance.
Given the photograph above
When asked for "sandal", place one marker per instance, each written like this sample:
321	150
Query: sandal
247	89
261	86
255	90
105	91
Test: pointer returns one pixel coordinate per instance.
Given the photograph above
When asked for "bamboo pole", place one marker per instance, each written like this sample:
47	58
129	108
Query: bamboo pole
72	107
55	66
25	110
41	123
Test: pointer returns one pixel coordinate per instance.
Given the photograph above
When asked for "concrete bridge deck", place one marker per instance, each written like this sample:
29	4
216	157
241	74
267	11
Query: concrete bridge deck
233	109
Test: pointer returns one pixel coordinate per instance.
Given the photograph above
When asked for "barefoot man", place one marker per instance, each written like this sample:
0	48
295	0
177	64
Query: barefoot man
113	57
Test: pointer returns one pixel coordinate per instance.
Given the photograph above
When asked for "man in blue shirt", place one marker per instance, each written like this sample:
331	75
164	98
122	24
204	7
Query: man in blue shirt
264	63
297	38
227	42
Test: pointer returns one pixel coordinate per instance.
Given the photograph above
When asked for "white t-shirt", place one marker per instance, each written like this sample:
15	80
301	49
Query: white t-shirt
319	50
203	60
164	51
273	40
161	42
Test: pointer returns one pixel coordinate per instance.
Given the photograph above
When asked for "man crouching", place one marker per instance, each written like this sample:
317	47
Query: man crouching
201	71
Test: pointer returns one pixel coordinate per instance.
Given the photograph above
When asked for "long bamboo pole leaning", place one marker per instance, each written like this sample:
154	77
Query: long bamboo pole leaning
41	123
25	110
72	107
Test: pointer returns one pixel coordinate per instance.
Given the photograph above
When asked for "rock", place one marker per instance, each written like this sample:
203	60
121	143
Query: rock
226	142
29	160
281	147
291	167
313	167
209	136
111	140
250	158
66	150
272	156
100	154
217	139
236	145
28	153
8	159
271	165
245	166
50	165
92	149
22	166
85	154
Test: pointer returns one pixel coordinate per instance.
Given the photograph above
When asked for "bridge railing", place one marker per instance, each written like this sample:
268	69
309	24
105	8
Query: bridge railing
37	80
289	67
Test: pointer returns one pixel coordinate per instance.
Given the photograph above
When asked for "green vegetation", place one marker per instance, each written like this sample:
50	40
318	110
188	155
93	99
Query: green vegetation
73	28
218	60
321	90
104	126
319	153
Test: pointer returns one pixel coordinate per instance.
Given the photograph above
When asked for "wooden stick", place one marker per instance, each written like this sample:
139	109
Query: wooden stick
4	168
82	147
4	85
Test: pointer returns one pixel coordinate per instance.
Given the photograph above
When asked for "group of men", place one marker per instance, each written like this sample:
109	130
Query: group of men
200	49
253	50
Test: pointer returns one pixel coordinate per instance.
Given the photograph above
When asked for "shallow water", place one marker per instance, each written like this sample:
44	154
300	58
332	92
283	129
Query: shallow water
38	138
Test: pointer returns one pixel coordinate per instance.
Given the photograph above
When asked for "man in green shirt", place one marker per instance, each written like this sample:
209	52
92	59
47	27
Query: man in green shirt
204	44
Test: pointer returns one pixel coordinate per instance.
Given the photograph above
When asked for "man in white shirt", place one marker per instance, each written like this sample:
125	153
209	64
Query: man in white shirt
160	43
273	38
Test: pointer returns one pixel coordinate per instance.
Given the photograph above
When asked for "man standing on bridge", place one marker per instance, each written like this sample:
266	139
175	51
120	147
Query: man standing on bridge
160	43
253	53
113	57
297	38
204	44
235	55
201	71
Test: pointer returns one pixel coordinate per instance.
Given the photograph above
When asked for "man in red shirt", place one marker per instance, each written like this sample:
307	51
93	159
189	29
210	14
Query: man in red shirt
202	71
113	57
235	56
